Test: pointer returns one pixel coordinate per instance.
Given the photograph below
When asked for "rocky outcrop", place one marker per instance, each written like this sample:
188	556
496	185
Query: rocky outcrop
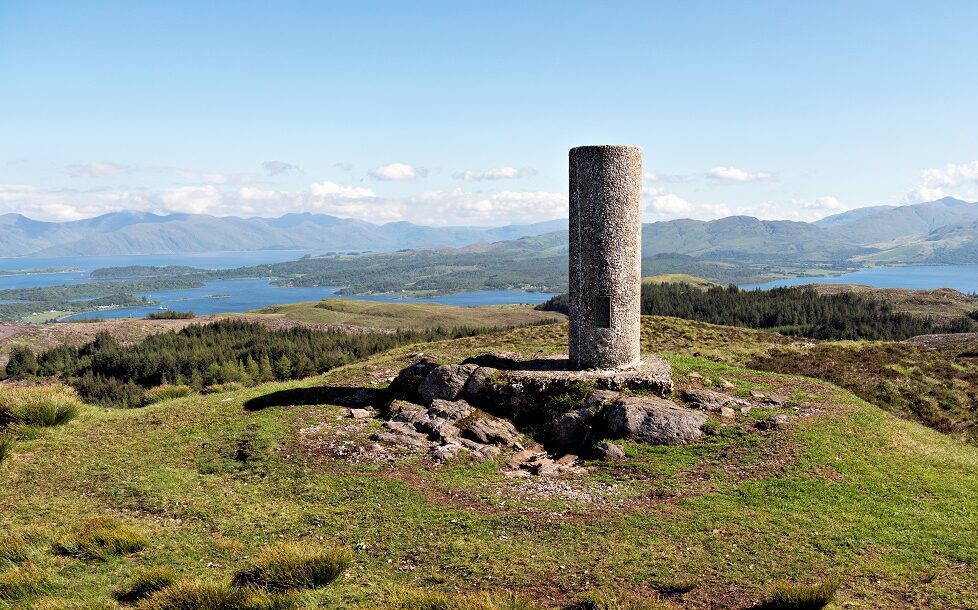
445	382
653	420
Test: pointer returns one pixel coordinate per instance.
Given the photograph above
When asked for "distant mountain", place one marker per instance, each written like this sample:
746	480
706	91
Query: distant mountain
121	233
887	227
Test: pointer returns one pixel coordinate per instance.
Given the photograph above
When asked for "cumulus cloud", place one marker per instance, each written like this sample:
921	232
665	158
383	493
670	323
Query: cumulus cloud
327	190
279	168
97	169
398	172
664	205
496	173
67	204
959	179
736	175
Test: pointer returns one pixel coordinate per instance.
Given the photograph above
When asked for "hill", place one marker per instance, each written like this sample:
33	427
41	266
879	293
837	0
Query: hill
941	303
884	227
845	490
120	233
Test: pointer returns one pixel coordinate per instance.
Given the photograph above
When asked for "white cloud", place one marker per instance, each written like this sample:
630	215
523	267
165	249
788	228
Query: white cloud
98	169
496	173
66	204
736	175
398	171
825	205
193	199
279	168
953	179
331	190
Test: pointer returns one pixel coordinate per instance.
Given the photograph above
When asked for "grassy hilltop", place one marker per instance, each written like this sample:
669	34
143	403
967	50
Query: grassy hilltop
884	505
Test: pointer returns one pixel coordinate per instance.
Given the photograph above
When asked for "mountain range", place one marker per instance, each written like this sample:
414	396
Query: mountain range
942	231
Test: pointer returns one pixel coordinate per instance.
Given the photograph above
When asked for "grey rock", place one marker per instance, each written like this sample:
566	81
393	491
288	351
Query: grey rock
443	453
695	375
361	413
727	414
491	430
452	411
445	382
780	421
573	430
710	401
654	421
405	385
726	385
610	452
478	383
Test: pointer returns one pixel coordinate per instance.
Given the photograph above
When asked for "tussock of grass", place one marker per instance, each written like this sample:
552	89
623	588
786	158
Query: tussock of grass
427	600
38	405
676	587
22	583
794	596
145	583
6	446
101	538
18	547
293	565
193	595
166	392
594	600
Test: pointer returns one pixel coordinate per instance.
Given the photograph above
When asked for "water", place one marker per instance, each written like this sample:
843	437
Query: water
963	278
221	296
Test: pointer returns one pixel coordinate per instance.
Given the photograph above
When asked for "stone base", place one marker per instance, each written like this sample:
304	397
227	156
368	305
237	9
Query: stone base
651	375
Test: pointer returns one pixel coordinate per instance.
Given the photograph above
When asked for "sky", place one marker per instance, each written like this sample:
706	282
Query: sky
462	113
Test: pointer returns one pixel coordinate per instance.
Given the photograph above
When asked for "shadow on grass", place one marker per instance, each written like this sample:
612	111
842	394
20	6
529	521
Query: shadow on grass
323	395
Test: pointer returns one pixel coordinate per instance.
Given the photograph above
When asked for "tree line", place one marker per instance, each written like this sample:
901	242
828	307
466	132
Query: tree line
228	351
794	311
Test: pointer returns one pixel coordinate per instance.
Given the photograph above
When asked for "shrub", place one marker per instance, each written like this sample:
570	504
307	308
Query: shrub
190	595
795	596
171	315
101	538
21	583
146	582
38	405
22	363
6	447
166	392
293	565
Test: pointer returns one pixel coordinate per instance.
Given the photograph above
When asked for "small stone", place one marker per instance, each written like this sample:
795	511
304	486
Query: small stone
780	421
744	410
695	375
361	413
521	457
567	460
727	414
723	383
610	452
757	395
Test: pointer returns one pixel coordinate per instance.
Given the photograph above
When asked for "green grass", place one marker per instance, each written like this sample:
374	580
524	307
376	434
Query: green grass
166	392
6	446
794	596
146	582
41	406
195	595
847	491
294	565
101	538
22	583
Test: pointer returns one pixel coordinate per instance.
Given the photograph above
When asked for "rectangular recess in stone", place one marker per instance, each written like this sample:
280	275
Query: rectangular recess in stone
602	312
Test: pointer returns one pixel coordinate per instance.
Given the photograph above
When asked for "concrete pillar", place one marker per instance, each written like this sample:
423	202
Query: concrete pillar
605	256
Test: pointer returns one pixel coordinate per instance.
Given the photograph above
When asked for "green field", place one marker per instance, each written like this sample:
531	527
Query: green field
847	491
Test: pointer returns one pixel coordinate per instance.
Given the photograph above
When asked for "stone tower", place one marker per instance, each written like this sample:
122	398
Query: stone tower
605	256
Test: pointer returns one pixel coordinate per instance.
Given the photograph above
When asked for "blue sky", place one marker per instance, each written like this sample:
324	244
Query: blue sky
462	112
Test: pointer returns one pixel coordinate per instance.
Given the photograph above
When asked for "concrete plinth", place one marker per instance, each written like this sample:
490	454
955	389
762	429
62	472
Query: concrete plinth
605	256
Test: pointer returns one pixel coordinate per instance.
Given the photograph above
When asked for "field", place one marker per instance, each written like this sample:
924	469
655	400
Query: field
847	491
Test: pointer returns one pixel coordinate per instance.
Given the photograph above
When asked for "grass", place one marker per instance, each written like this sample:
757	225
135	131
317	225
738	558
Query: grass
194	595
22	583
294	565
373	314
795	596
18	547
146	582
6	446
846	489
41	406
101	538
166	392
427	600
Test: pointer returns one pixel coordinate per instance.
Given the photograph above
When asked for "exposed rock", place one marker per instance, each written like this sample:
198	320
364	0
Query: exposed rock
445	382
453	411
780	421
492	430
653	420
709	400
567	460
443	453
610	452
405	385
723	383
695	375
520	458
757	395
361	413
478	384
574	429
728	415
